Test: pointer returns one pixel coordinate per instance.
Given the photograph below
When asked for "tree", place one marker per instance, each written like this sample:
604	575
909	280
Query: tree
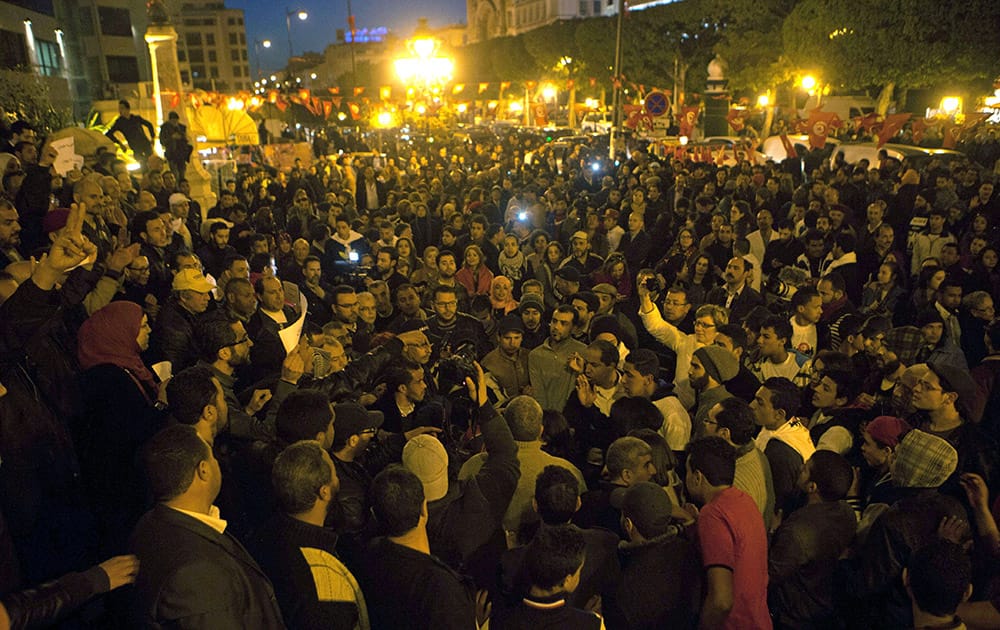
26	95
679	35
858	44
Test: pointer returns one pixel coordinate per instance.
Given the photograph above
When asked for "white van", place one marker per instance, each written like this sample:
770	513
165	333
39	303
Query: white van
852	153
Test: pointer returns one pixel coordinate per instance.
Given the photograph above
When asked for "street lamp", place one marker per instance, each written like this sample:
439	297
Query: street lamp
303	16
258	44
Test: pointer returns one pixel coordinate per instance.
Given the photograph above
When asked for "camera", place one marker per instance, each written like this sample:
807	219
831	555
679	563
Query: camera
786	283
652	284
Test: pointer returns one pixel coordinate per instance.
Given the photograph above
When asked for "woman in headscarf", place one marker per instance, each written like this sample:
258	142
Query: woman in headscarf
119	413
502	297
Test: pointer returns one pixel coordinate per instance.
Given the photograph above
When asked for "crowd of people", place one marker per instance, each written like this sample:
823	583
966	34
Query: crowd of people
494	383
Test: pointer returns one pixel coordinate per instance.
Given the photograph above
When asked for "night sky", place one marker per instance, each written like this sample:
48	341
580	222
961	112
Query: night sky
266	20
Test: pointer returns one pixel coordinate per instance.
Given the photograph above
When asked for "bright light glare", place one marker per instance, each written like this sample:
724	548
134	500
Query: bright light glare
133	166
591	103
549	92
431	70
424	47
950	104
809	82
683	140
266	43
274	78
234	104
341	116
462	107
516	106
763	100
302	15
421	110
595	167
384	119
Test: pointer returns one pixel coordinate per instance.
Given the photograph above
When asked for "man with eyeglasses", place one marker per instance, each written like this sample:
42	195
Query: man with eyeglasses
448	329
707	318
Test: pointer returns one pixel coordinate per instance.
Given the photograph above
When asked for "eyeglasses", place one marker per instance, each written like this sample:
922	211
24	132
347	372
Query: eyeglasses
243	339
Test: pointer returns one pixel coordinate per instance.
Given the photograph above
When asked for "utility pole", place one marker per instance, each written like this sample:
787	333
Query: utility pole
616	100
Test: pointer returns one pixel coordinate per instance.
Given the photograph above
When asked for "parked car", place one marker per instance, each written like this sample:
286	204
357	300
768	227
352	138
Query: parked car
851	153
773	148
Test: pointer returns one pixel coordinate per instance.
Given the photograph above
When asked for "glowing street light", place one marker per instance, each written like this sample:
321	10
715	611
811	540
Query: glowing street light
951	104
549	92
763	100
302	16
808	82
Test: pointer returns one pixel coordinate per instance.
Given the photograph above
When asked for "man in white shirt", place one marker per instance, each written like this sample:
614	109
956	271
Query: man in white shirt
807	309
775	359
707	318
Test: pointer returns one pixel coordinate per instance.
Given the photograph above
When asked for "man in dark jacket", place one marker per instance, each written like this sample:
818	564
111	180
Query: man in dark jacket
465	515
183	542
406	587
805	547
315	590
173	336
661	579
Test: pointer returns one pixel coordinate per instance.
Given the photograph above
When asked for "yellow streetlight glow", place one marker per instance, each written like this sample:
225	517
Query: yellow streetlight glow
266	43
341	116
302	15
421	109
591	103
951	104
424	47
515	107
384	119
549	92
234	104
809	82
462	108
763	100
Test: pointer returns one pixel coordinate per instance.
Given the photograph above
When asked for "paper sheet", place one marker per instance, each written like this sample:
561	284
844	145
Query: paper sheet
291	333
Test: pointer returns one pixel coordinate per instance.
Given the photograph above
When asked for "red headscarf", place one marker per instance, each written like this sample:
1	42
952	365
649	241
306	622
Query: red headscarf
110	336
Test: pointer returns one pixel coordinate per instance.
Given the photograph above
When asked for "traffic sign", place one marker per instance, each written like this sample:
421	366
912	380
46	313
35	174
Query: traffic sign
656	103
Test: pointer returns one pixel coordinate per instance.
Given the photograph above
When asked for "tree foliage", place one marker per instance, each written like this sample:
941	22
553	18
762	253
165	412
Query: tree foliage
751	43
26	96
910	43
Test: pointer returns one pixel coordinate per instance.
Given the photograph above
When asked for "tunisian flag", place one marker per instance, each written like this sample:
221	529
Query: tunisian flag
892	125
736	119
919	127
818	127
689	116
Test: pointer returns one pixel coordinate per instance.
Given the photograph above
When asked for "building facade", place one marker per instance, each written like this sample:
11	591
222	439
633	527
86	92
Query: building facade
212	47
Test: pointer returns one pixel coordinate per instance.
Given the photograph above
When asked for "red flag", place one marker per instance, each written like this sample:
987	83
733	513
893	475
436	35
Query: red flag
789	147
737	119
818	127
950	136
483	87
689	116
337	101
327	109
919	126
504	85
358	91
334	90
530	84
866	122
593	81
892	125
355	110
